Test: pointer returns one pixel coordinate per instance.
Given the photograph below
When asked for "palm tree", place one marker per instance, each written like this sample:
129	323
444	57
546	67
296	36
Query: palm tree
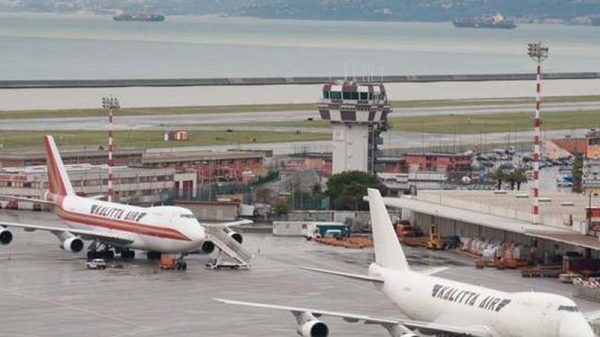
518	176
498	175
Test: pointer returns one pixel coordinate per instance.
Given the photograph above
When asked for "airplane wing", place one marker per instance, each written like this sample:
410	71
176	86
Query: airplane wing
104	236
347	275
231	223
391	324
40	201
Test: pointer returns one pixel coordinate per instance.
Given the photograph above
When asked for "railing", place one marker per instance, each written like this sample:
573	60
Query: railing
228	245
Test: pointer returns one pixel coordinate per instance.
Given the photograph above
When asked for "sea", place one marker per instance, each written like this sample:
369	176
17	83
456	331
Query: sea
54	46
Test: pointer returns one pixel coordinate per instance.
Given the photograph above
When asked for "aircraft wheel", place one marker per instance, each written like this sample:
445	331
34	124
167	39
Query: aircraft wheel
184	266
91	255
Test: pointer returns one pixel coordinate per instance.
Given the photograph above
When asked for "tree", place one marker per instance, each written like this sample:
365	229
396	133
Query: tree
347	189
577	173
263	195
498	176
316	189
282	207
518	176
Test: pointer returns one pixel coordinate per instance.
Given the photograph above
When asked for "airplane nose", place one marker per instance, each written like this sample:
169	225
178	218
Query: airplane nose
575	326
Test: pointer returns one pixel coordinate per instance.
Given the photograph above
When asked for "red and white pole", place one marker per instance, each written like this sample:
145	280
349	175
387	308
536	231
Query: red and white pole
110	154
536	145
538	52
110	104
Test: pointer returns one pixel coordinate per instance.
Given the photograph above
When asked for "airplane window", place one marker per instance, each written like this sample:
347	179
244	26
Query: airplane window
568	308
188	216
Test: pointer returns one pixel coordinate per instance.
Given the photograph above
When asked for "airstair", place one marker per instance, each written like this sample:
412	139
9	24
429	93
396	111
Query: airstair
228	246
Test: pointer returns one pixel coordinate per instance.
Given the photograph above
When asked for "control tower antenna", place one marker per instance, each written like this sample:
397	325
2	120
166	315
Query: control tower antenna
110	104
538	53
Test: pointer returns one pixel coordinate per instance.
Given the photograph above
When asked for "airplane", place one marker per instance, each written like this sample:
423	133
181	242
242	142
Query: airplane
156	230
437	306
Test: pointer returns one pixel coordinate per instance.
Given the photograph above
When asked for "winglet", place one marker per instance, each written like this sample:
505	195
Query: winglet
388	252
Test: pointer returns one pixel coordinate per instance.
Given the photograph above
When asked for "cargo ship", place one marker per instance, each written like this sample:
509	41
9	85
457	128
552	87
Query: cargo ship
139	17
496	21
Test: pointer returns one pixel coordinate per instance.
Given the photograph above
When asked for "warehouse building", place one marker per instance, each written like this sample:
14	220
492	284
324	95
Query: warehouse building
141	186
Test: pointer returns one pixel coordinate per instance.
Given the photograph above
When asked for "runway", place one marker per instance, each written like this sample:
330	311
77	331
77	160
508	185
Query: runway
43	287
199	120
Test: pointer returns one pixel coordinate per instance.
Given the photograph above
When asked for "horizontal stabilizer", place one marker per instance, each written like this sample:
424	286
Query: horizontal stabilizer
433	271
347	275
39	201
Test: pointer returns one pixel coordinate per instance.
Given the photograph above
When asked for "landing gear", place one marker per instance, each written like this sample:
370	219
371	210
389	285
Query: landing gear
153	255
127	254
100	251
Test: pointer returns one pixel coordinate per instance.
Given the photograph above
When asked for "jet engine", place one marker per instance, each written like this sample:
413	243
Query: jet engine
236	236
310	326
72	244
208	247
314	328
5	236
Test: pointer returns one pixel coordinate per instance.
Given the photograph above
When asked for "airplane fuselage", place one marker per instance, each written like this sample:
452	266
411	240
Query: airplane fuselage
163	229
432	299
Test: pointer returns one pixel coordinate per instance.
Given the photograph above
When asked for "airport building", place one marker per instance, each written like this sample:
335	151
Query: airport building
208	165
505	216
131	185
358	114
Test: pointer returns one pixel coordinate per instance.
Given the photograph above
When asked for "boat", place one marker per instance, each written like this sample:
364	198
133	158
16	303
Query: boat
495	21
139	17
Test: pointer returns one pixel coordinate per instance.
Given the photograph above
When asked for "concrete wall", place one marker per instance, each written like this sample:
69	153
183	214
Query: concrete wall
182	82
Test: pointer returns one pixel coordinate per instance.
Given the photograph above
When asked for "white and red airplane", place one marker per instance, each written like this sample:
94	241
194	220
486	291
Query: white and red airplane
156	230
441	307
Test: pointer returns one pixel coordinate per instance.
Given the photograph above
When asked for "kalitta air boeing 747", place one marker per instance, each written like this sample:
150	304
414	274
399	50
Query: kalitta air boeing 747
156	230
436	306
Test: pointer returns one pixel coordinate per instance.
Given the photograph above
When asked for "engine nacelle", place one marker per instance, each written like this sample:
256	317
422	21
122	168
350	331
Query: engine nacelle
236	236
208	247
314	328
5	236
72	244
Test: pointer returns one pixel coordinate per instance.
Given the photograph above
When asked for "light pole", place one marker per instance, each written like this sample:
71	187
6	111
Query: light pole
537	52
110	104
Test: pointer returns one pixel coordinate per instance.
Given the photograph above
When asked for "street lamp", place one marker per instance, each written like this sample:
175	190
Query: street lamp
537	52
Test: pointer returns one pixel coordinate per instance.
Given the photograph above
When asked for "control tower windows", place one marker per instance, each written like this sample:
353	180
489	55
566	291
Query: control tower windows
347	95
335	95
326	94
364	96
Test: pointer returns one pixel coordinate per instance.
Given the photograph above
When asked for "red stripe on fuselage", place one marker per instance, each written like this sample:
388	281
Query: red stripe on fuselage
125	226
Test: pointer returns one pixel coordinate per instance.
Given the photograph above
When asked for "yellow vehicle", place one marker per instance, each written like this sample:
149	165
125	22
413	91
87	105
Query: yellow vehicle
435	242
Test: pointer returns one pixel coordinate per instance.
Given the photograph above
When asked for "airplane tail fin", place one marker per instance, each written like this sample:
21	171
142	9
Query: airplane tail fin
58	179
388	252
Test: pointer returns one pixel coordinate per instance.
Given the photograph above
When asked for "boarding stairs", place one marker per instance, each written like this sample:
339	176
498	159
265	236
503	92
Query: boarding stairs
228	245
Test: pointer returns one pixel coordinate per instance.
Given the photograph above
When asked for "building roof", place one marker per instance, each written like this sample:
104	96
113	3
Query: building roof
178	156
39	154
558	234
573	145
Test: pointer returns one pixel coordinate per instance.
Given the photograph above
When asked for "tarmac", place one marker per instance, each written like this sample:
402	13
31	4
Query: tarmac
48	292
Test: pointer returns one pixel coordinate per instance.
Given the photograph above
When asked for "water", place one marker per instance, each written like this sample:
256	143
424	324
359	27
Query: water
48	46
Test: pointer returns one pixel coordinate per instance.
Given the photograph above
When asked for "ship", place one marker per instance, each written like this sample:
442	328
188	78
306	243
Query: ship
139	17
495	21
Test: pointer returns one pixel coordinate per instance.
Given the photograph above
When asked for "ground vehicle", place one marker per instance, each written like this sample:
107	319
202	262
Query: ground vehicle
96	264
170	262
435	242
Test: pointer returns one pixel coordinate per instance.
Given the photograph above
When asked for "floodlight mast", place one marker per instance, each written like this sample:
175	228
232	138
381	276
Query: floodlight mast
110	104
538	53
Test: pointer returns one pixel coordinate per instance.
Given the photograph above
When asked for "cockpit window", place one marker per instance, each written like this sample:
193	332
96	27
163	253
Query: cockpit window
187	216
568	308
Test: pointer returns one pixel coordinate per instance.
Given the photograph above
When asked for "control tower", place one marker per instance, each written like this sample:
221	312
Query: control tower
358	114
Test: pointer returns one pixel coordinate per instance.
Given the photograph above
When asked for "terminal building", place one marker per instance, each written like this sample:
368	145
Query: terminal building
358	114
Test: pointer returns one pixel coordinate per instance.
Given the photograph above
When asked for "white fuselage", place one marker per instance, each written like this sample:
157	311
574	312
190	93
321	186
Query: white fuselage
164	229
432	299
